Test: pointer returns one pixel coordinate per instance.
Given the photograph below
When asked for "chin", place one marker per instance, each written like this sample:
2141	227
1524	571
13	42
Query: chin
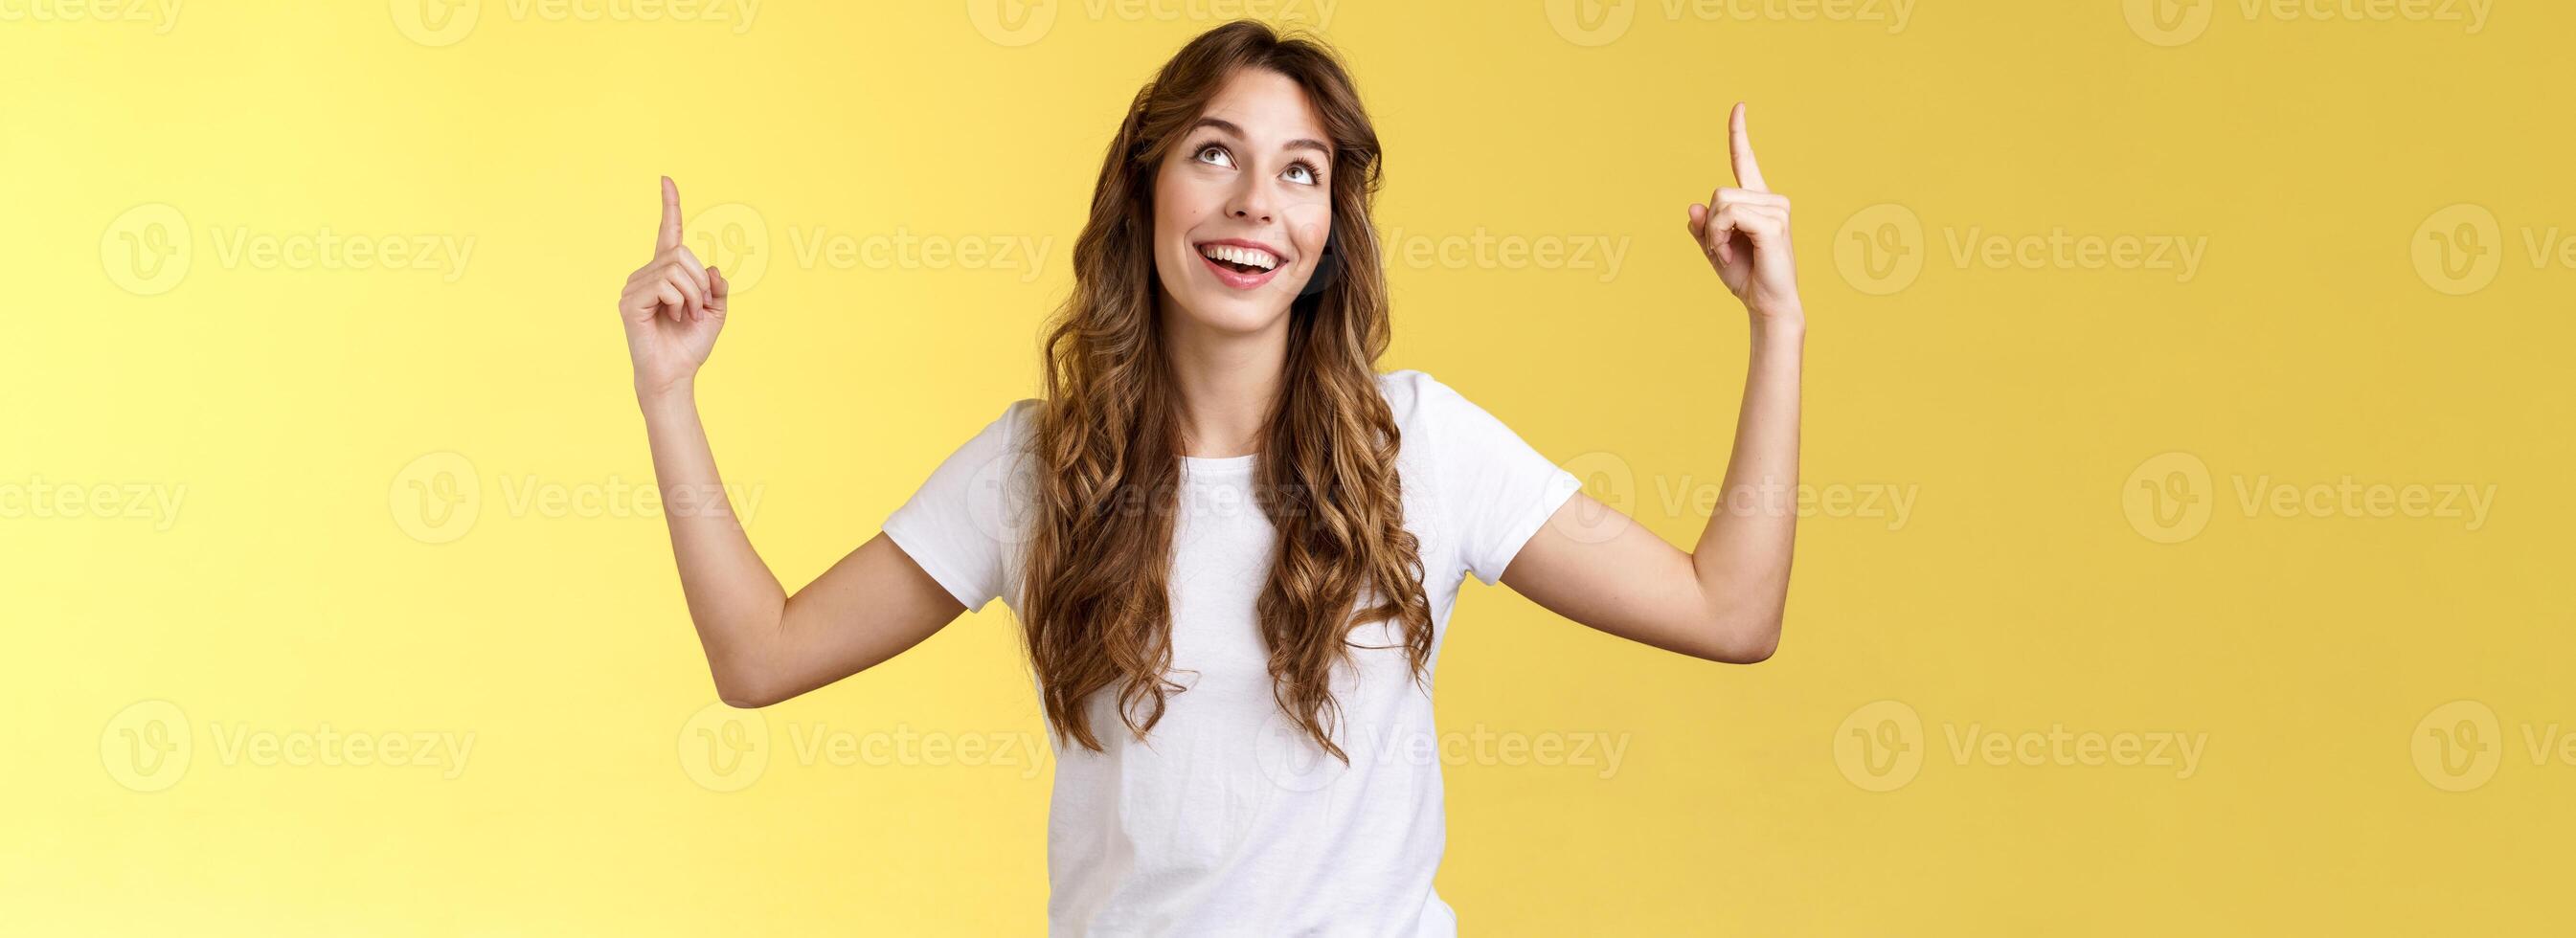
1236	314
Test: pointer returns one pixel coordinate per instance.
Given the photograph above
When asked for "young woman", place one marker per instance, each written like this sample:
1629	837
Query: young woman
1232	543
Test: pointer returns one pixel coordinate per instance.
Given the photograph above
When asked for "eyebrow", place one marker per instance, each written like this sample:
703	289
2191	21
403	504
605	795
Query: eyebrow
1301	143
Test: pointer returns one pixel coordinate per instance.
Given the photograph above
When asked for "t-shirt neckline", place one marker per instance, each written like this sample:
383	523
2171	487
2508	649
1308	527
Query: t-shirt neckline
1219	463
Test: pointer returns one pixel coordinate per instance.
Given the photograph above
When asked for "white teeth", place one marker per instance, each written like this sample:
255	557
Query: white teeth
1251	256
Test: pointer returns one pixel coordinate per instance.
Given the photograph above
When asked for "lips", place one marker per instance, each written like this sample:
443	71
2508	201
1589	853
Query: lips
1239	263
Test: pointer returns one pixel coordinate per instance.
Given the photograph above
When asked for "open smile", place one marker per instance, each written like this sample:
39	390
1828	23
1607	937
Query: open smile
1241	264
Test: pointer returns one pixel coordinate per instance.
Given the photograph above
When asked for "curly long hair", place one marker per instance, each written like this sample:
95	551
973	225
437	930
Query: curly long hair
1096	604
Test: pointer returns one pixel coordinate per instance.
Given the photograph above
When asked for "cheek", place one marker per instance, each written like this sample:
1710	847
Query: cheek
1310	226
1178	208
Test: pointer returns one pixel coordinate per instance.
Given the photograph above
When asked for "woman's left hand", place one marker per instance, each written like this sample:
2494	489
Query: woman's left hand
1744	232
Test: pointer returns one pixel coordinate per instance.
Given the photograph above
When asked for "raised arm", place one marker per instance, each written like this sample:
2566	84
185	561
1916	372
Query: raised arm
762	645
1723	600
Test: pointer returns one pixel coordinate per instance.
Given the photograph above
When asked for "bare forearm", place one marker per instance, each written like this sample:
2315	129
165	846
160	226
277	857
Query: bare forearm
1742	559
734	599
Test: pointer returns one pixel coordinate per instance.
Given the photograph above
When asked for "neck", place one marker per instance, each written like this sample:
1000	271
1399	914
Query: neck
1227	382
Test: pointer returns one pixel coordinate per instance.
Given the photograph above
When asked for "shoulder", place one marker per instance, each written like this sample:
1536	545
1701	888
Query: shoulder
1426	405
1015	426
1008	438
1416	398
998	447
1021	417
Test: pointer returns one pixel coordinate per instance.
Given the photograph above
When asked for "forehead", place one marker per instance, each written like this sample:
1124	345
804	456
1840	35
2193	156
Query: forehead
1270	107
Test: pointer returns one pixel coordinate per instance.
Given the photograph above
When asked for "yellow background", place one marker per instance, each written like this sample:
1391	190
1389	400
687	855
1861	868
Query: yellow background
303	583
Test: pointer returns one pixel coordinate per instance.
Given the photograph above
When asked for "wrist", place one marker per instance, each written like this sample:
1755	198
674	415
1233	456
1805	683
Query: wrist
1784	326
678	392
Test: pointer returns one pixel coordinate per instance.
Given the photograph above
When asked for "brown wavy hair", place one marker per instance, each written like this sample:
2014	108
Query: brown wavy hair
1097	602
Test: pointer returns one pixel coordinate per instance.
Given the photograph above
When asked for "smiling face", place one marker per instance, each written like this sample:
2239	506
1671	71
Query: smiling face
1242	207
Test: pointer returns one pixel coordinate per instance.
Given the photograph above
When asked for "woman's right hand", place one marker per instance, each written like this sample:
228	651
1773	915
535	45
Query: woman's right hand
673	307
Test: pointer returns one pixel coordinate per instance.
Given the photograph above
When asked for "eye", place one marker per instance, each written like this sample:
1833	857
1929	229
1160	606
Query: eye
1220	158
1301	172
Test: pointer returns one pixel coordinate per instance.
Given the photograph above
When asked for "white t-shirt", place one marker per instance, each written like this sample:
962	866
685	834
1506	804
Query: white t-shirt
1227	819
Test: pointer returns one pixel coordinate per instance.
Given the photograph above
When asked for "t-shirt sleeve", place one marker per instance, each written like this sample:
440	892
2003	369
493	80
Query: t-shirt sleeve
960	524
1495	487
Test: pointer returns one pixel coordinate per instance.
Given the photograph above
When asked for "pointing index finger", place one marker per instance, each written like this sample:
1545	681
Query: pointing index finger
670	236
1748	174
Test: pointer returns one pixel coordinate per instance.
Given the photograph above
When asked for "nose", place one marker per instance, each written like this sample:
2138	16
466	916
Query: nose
1251	202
